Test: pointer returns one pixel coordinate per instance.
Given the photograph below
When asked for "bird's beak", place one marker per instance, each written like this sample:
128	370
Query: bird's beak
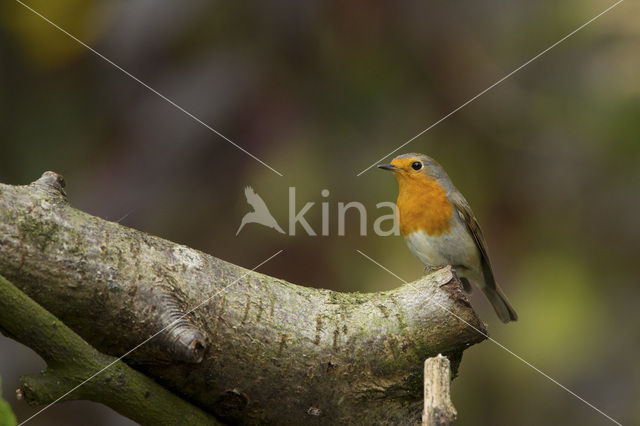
390	167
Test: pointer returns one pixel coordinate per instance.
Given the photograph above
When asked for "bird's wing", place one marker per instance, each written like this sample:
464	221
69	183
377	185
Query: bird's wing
467	216
254	199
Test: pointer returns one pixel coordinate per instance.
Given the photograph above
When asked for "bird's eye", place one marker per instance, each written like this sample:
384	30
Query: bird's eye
416	165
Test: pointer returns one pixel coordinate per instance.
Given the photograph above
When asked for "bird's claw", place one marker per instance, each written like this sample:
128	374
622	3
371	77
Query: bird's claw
432	268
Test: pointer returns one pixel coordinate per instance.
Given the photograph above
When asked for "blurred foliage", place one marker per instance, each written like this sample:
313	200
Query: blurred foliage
549	159
7	418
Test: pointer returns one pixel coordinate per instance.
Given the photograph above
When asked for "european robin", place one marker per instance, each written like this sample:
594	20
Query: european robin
440	229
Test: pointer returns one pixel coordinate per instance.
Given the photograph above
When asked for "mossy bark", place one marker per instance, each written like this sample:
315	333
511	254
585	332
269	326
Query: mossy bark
261	349
71	361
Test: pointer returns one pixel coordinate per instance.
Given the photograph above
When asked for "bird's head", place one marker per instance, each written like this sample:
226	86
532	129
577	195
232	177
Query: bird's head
415	169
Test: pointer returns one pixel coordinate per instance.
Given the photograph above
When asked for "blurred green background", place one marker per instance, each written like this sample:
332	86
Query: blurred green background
549	160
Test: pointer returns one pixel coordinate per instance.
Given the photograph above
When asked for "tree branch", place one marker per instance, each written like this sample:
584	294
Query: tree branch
71	360
438	409
262	350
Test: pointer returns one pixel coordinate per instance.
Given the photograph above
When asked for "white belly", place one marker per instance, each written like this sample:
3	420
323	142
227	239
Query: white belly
456	247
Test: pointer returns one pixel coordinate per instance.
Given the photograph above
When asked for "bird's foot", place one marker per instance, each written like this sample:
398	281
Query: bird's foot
432	268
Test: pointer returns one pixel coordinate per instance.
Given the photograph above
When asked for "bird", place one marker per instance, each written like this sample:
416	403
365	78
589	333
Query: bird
260	213
440	228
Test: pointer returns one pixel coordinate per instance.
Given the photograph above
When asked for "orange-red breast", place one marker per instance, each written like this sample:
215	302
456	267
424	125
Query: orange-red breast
440	229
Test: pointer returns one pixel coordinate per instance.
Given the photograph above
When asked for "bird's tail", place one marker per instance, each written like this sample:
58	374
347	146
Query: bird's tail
500	304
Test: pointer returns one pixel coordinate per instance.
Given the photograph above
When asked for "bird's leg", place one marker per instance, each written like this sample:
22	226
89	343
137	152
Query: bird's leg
432	268
466	285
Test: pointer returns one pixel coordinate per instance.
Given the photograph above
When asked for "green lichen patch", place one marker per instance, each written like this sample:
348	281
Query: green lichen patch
42	233
338	298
